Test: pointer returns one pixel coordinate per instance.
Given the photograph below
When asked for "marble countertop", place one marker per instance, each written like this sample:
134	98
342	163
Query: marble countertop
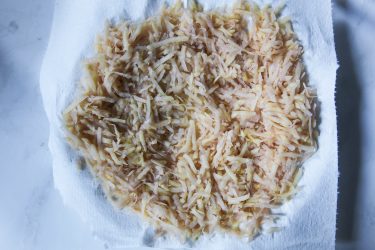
32	214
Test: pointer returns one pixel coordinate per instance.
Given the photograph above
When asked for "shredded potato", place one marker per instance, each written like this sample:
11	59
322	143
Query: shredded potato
198	121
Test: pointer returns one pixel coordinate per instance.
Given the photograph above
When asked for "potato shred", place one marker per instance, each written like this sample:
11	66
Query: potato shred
198	121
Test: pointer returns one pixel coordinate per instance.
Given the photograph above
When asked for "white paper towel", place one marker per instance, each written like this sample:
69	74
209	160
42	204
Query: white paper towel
311	215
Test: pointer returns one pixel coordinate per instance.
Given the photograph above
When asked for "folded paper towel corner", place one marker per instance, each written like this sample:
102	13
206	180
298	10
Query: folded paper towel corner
311	215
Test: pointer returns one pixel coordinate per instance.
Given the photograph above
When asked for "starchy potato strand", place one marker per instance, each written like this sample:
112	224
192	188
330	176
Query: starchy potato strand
198	121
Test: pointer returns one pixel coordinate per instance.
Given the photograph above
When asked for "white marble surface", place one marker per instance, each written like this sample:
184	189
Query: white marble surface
355	36
361	23
32	215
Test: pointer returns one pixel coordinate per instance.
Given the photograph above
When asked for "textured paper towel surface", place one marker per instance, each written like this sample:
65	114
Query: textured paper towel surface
311	215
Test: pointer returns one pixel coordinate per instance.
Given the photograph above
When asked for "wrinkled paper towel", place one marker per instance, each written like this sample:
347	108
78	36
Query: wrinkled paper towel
311	216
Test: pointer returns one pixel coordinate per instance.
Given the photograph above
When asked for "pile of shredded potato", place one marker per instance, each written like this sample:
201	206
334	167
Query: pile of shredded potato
198	121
